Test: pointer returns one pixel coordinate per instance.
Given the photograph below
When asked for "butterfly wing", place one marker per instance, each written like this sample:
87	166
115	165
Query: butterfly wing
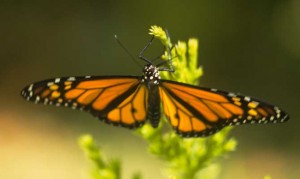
116	100
196	111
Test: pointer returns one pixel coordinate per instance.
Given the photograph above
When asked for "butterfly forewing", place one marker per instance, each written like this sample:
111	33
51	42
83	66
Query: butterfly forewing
117	100
195	111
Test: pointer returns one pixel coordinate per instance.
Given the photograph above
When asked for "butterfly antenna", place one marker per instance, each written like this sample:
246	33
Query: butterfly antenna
127	51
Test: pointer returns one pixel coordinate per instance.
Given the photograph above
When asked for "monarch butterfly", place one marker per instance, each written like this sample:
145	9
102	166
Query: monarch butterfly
129	101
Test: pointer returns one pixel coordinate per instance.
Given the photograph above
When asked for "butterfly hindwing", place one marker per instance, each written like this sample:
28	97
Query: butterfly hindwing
119	100
195	111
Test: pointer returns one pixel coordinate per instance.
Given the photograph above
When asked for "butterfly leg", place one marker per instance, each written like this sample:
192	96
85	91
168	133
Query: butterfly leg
171	67
169	49
141	56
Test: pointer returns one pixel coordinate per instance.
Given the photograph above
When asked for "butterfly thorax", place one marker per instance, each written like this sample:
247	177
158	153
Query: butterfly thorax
151	75
151	78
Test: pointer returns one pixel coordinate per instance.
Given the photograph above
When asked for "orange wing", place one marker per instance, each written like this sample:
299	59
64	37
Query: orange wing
116	100
195	111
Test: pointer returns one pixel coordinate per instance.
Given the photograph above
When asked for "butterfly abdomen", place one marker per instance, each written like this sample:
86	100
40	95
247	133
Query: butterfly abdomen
153	114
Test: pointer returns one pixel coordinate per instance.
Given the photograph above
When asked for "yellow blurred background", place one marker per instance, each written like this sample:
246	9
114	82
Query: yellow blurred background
252	47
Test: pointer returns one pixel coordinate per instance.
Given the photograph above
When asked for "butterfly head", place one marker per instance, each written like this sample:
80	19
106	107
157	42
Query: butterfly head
151	74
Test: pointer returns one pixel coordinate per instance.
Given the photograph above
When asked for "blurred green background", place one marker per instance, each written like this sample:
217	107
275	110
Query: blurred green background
252	47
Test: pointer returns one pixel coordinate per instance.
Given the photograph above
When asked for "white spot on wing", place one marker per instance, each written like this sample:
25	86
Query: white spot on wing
30	87
247	98
57	80
71	78
50	83
231	94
